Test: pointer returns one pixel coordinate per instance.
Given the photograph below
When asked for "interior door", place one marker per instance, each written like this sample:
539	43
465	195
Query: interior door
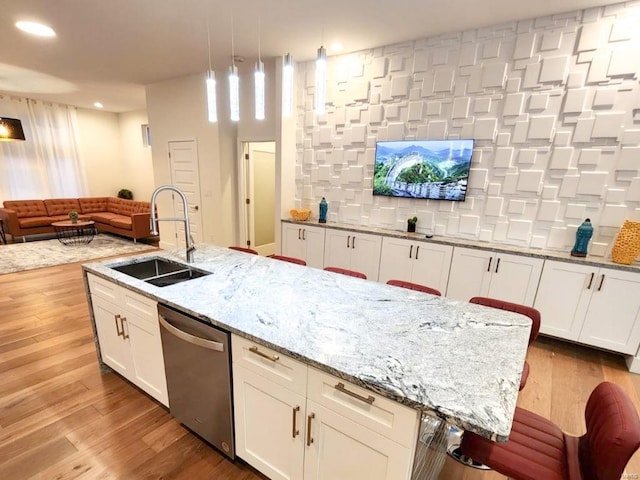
183	159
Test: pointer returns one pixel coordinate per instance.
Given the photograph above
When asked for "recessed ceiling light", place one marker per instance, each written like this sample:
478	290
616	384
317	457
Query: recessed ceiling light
98	105
36	29
336	47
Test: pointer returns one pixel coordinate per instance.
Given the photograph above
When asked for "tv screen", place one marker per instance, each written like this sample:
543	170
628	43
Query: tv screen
430	169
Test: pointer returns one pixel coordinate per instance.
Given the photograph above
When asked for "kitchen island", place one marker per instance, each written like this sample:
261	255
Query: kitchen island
454	361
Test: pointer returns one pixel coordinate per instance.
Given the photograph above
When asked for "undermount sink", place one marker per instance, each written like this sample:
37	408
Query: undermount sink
160	272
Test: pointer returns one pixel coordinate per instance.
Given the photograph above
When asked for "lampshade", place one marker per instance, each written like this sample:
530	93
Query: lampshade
212	106
321	81
287	86
259	90
234	93
10	129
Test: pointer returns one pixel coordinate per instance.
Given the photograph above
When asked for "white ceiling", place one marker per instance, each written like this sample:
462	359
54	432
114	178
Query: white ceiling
108	50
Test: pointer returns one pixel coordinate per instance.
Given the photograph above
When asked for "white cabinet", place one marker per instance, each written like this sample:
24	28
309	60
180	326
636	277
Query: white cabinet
354	251
129	335
590	305
512	278
304	242
418	262
296	422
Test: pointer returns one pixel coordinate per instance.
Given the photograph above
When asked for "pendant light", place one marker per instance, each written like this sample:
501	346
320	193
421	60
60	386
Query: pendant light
321	81
10	129
212	104
287	86
258	77
234	84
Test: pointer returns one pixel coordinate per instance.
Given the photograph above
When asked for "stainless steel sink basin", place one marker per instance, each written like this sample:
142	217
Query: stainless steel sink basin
160	272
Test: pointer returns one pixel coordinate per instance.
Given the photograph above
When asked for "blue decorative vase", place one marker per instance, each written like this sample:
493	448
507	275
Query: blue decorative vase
323	210
583	234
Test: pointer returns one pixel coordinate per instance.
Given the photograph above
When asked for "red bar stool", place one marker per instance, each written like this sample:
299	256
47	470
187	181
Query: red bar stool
538	450
344	271
288	259
245	250
414	286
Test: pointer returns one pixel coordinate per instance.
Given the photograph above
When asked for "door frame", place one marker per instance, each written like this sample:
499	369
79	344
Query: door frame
243	187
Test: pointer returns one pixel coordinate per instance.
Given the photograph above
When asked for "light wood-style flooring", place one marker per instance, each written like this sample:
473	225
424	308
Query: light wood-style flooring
60	418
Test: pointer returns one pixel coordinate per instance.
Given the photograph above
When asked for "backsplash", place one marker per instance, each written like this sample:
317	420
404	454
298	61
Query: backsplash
553	104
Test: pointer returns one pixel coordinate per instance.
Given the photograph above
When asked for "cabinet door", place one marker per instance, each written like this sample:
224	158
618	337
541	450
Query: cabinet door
292	243
114	346
313	246
612	317
515	278
470	273
563	297
340	449
365	254
147	356
269	424
431	263
395	260
337	248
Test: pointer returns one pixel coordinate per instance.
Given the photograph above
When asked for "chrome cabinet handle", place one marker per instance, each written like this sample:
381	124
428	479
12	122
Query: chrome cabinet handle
273	358
120	334
299	231
309	438
489	267
340	387
497	265
348	240
411	251
601	282
201	342
295	431
417	251
591	280
124	334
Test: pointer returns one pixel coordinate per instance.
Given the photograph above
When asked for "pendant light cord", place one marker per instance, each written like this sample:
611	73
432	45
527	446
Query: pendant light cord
209	42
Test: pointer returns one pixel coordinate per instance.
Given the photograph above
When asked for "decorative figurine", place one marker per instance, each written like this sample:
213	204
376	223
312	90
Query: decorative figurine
323	210
583	234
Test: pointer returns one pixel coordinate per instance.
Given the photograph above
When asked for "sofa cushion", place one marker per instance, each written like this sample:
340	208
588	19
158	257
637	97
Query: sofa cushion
31	222
93	204
121	221
103	217
61	206
27	208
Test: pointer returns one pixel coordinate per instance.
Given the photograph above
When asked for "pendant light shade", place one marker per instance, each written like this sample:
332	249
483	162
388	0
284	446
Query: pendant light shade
259	90
234	93
10	129
287	86
212	103
321	81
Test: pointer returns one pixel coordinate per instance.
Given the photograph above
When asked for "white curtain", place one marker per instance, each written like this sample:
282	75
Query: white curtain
47	163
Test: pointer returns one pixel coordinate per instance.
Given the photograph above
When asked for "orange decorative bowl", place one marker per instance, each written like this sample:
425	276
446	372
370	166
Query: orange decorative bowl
301	214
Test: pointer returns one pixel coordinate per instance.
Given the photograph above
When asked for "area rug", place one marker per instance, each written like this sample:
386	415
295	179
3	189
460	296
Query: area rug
17	257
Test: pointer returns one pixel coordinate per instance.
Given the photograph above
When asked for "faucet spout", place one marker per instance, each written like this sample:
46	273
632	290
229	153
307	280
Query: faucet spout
190	245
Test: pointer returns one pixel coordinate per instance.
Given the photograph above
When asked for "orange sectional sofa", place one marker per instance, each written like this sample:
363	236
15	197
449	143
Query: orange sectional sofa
128	218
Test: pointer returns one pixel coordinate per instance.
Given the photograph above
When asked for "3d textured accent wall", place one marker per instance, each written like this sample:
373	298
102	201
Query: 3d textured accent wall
554	106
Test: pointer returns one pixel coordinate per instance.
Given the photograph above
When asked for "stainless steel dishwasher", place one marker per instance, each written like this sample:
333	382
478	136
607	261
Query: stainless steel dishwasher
197	361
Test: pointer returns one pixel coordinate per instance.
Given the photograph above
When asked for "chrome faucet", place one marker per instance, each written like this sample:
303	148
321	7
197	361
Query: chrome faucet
187	231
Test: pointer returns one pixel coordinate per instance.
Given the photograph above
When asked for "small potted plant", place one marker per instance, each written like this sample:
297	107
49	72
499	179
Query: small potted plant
125	193
74	217
411	224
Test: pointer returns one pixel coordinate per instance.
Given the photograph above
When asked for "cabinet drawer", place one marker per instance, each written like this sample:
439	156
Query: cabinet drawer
103	288
142	307
268	363
384	416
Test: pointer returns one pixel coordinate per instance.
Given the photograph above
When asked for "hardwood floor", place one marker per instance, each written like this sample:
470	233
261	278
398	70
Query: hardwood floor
60	418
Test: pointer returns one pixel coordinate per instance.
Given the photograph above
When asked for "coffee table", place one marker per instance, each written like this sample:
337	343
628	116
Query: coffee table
79	233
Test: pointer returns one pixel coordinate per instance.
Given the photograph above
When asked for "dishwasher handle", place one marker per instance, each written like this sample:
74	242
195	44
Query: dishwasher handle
200	342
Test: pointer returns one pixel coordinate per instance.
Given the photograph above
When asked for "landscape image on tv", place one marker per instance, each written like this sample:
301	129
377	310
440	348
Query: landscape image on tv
430	169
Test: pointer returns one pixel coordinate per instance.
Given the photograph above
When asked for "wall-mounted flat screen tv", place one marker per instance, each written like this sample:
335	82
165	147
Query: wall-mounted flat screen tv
428	169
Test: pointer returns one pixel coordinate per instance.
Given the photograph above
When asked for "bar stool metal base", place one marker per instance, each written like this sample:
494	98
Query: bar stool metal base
454	451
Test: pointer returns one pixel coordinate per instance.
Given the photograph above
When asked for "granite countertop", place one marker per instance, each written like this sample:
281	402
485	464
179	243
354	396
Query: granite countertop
458	360
469	243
